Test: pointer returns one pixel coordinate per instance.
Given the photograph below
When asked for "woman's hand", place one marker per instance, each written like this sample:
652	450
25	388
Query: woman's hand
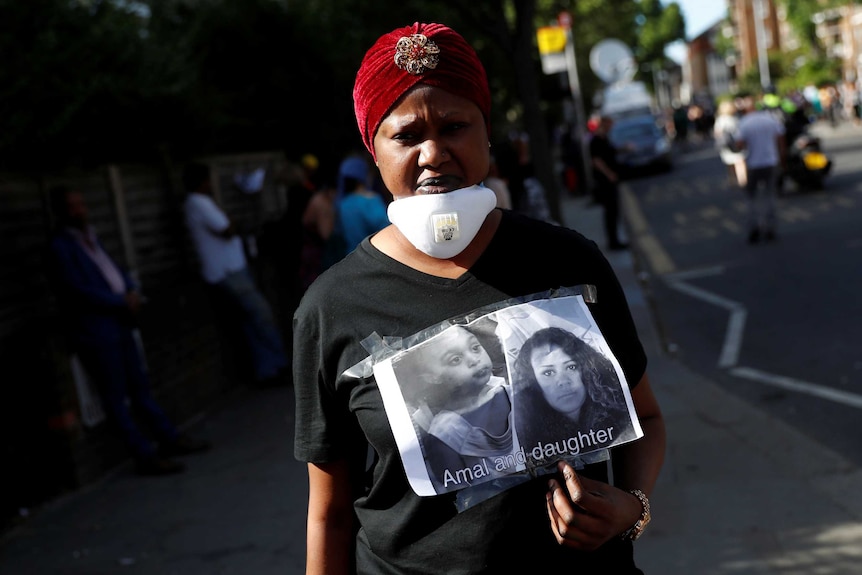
585	513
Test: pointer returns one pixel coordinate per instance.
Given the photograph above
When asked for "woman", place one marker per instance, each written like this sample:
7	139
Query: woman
318	223
422	105
561	383
724	132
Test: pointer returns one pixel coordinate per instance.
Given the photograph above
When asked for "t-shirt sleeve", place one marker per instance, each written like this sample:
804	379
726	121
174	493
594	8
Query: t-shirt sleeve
314	401
325	429
613	316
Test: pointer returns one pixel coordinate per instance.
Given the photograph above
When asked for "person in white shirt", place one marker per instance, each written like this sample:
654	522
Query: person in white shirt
762	136
724	131
223	266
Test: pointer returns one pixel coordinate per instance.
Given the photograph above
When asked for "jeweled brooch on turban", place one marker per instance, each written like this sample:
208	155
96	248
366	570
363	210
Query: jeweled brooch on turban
416	54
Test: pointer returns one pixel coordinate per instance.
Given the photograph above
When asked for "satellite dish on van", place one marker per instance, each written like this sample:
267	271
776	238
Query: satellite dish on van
612	61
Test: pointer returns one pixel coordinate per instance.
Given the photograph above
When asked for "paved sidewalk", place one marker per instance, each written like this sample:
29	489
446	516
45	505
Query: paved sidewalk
238	509
741	493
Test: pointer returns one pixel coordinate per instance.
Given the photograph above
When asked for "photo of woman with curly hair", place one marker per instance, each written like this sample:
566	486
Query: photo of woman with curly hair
563	386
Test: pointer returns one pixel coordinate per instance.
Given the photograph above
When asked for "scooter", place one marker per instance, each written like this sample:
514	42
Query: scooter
807	165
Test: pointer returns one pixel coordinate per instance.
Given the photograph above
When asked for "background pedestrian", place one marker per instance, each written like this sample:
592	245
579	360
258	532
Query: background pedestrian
606	175
224	269
100	304
762	137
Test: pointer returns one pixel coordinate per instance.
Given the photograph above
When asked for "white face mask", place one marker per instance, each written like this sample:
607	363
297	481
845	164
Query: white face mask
443	225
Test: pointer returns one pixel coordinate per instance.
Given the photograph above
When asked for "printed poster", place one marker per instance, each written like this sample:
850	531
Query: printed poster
509	392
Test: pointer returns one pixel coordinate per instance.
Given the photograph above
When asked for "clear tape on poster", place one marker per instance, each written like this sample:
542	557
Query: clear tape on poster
381	348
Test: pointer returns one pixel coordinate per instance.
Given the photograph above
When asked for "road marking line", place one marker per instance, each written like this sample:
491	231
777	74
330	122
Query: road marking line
704	295
733	338
697	156
634	215
838	396
711	212
731	226
659	260
735	332
696	273
729	356
661	264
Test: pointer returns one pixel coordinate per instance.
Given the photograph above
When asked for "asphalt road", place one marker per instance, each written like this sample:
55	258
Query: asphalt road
778	324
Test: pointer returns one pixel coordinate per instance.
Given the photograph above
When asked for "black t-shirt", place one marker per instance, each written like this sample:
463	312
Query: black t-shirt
341	415
602	149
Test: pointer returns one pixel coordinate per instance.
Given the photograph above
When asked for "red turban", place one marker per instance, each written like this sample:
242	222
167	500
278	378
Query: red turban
431	54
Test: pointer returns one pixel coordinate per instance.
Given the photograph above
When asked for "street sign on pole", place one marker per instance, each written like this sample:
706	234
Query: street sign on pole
760	39
551	39
557	51
580	115
552	45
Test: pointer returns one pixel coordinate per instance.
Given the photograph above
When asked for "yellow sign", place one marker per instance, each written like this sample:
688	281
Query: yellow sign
551	39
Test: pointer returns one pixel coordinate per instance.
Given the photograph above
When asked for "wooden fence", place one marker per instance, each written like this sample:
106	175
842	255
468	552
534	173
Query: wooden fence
45	446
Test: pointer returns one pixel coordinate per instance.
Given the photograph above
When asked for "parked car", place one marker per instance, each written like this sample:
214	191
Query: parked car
641	144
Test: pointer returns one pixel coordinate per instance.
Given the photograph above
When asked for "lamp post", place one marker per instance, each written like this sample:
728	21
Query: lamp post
760	36
660	84
565	20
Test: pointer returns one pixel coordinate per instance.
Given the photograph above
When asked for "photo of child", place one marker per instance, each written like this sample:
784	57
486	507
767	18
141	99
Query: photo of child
461	410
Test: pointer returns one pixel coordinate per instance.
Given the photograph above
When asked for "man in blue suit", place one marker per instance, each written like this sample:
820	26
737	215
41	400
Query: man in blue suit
99	306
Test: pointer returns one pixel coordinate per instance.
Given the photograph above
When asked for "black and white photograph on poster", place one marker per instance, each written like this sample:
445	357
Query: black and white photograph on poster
457	397
512	391
564	377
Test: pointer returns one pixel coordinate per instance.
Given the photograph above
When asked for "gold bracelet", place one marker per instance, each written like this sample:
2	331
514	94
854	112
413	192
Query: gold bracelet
637	529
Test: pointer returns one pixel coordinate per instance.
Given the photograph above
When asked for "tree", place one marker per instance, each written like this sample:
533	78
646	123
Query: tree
658	26
512	28
95	81
69	80
800	15
809	64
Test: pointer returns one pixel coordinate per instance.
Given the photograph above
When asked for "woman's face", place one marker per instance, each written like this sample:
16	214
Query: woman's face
432	142
458	364
559	378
